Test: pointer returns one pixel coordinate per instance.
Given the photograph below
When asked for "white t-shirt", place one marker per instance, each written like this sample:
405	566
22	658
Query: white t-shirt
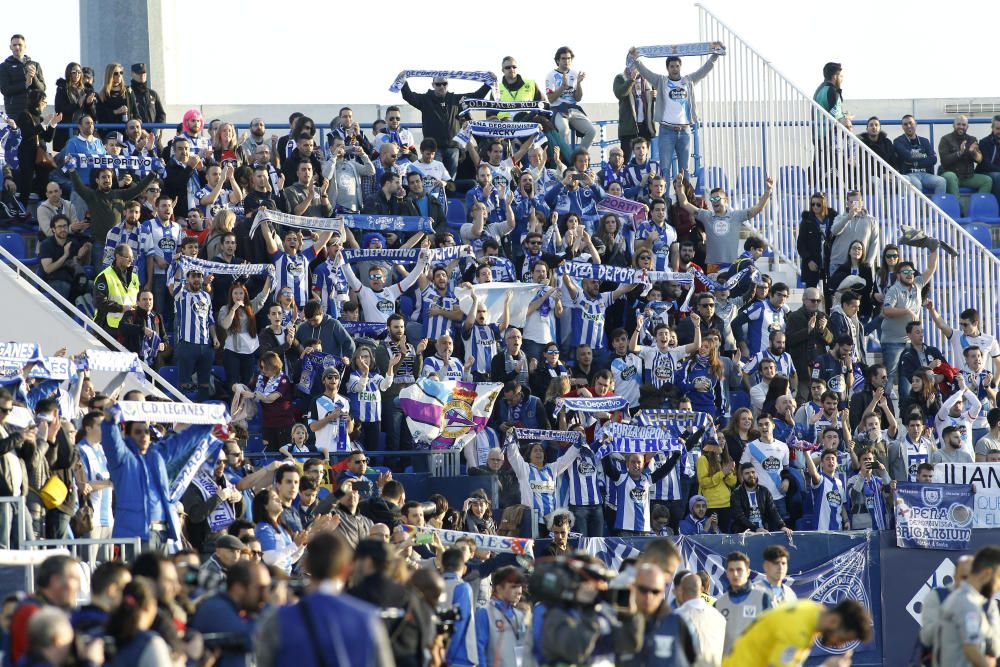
768	460
554	81
985	342
431	173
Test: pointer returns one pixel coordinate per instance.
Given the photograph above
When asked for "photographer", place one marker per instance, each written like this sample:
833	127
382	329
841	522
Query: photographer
226	619
667	635
575	629
867	492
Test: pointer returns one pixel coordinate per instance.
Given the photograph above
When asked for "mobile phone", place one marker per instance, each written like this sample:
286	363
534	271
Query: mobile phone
577	176
423	538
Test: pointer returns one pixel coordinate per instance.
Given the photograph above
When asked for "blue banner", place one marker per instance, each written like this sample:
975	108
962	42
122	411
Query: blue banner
391	223
827	568
933	516
313	364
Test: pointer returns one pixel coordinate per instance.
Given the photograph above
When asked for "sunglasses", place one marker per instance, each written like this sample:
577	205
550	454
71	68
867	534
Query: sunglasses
648	591
814	300
152	189
715	199
817	204
892	256
534	243
375	276
707	305
442	84
551	351
907	272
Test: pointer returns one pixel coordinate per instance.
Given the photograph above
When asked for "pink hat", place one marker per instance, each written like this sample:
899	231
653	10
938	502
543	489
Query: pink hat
191	113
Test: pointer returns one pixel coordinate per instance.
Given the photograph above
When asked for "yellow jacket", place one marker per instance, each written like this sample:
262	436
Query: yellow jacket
716	488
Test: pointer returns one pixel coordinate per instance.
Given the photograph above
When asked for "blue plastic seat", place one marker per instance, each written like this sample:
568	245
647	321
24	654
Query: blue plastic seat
713	177
983	234
792	180
949	204
14	244
456	212
983	207
751	181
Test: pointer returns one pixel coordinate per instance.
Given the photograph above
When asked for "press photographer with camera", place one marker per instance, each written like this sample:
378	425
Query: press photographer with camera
226	619
575	626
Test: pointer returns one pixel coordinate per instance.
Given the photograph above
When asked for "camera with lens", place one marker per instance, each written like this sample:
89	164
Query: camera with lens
557	581
188	574
445	619
227	642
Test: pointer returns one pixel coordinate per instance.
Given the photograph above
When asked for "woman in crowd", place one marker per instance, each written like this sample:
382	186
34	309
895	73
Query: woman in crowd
222	224
238	319
576	240
814	240
226	147
885	276
35	163
702	378
739	432
364	390
716	479
115	103
281	548
274	392
74	100
611	237
924	395
477	517
856	266
136	645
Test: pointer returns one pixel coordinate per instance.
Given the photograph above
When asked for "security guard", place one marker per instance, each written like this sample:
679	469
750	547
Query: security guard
116	289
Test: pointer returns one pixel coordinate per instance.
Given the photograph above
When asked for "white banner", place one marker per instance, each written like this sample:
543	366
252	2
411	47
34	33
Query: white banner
495	543
986	477
174	413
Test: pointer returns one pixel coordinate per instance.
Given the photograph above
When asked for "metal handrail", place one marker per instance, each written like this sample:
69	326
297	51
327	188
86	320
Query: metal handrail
85	321
443	462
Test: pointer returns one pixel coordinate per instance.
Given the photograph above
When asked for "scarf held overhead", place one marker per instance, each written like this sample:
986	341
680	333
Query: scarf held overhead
498	129
223	269
679	50
632	439
619	274
488	78
142	166
296	221
470	105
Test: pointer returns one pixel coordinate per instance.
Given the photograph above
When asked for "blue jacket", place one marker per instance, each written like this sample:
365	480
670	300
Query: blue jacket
141	480
907	162
582	201
462	650
218	613
345	632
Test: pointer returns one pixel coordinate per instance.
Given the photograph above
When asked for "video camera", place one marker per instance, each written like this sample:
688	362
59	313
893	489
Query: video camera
445	619
557	581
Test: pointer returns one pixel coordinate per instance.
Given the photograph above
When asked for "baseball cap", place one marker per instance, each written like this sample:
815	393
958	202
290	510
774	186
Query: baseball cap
139	68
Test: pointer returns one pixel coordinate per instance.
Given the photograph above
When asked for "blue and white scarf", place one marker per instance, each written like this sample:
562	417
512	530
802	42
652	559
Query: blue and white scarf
53	368
469	105
541	435
632	210
224	269
268	386
150	345
296	221
391	223
679	50
632	439
10	140
404	255
873	489
366	329
679	419
733	280
499	129
619	274
313	364
487	78
594	404
224	513
140	165
111	362
17	354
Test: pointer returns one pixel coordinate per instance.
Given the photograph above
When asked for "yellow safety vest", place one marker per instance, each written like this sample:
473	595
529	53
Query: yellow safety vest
525	93
119	294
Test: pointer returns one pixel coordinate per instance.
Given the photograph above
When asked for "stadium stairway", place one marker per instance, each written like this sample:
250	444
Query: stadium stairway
34	313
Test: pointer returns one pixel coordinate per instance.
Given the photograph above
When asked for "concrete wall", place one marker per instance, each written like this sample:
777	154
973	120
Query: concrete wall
137	36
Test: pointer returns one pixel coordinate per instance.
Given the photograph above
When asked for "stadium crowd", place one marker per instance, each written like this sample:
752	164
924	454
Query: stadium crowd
803	430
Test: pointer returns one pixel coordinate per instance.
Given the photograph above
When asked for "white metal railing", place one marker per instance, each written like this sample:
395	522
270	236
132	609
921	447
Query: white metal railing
754	121
83	321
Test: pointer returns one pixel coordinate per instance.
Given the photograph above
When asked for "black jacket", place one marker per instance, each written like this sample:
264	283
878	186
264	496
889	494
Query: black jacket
860	400
73	106
739	506
290	168
439	115
377	204
380	510
13	86
104	305
148	107
685	329
802	344
411	634
132	327
106	109
882	146
176	185
813	244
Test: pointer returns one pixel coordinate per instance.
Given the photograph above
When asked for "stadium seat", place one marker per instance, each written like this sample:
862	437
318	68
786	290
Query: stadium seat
713	177
14	244
169	373
750	182
792	180
456	212
739	399
949	204
406	306
983	234
983	207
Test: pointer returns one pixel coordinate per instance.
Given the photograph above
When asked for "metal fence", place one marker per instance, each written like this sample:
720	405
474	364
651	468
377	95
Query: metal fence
755	122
